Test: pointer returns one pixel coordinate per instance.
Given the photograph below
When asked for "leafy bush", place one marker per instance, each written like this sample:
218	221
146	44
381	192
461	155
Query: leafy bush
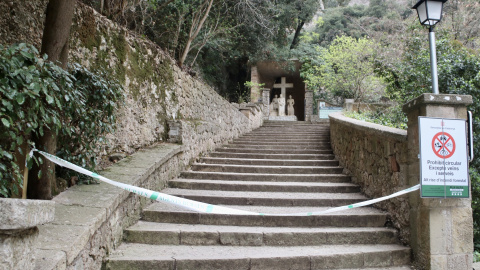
88	119
390	117
347	70
35	94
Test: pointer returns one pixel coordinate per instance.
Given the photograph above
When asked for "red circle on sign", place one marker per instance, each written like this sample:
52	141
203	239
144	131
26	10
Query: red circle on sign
443	145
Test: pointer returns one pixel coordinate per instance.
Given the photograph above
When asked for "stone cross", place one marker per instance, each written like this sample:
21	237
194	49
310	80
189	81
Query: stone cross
283	85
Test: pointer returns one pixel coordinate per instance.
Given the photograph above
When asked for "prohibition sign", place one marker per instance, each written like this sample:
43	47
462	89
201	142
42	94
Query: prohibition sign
443	145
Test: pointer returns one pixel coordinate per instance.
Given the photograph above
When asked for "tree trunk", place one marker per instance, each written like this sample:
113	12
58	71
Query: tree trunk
194	30
56	34
297	34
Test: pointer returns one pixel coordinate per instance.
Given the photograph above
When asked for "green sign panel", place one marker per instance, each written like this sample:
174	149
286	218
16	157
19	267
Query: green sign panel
443	158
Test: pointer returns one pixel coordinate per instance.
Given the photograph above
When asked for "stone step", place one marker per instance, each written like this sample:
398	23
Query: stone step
294	123
403	267
273	156
284	139
142	256
274	151
324	178
288	134
232	168
357	217
270	123
281	146
268	162
153	233
272	141
275	141
290	129
296	127
299	126
264	186
267	198
286	175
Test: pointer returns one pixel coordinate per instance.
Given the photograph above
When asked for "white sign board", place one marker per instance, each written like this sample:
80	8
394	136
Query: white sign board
443	158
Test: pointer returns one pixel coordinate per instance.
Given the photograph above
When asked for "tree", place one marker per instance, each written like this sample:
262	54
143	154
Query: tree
461	18
348	69
303	13
56	34
199	17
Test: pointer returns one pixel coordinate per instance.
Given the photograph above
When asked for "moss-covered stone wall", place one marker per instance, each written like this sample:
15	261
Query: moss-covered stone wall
156	89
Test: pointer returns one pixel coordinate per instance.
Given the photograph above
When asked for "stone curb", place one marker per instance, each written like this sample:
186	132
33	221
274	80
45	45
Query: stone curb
395	133
19	214
83	210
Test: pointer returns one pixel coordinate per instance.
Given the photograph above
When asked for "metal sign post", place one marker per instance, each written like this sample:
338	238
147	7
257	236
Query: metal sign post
443	158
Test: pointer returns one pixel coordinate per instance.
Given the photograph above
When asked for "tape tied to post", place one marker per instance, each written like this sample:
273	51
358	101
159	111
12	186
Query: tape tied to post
205	207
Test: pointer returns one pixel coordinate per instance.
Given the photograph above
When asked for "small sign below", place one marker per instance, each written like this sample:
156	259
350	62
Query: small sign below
443	158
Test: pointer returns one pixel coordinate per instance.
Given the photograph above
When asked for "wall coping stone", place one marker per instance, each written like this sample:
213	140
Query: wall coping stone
81	210
439	99
395	133
20	214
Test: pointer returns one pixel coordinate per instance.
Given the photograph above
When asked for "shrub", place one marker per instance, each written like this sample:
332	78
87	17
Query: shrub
36	94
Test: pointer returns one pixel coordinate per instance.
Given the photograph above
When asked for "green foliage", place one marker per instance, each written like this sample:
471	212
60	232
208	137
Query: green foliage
338	22
390	117
36	94
88	120
250	84
475	180
348	69
458	73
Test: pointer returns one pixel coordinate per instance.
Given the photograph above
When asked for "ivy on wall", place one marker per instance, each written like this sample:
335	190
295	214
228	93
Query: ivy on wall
35	94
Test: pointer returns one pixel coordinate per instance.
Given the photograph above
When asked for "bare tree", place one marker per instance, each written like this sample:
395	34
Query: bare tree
462	18
198	19
258	13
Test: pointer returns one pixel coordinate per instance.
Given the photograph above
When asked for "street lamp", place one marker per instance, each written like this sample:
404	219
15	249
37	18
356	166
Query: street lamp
430	13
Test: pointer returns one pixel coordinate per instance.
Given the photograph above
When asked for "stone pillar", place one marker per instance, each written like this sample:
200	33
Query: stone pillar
349	104
308	105
441	229
18	230
266	102
255	90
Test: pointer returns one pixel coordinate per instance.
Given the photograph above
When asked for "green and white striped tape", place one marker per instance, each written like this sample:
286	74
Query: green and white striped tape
204	207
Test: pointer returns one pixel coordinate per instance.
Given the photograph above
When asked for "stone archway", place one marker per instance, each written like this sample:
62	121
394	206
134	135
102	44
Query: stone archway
281	77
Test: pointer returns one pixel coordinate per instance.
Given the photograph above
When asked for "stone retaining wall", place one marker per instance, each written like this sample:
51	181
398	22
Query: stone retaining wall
156	89
90	219
377	159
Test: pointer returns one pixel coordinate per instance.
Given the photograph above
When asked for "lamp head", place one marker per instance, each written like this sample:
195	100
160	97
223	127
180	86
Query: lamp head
429	11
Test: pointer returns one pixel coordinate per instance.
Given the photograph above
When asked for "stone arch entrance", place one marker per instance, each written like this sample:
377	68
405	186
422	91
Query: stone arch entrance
278	78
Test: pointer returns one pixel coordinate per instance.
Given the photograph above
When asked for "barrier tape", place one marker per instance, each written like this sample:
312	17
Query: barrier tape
204	207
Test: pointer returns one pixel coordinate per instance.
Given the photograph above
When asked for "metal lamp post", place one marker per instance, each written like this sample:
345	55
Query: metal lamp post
430	13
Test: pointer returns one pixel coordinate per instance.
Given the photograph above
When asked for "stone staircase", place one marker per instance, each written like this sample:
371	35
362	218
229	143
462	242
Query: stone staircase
282	167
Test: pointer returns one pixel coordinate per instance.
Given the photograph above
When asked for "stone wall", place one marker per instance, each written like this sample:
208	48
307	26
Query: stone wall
377	159
18	230
156	89
90	219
